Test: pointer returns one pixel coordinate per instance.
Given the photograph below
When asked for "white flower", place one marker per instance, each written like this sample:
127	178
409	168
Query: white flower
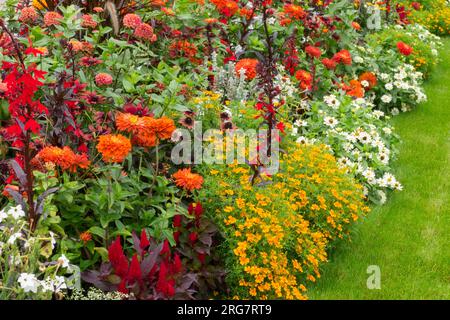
28	282
345	162
3	215
12	239
395	111
332	101
63	261
382	196
52	239
54	285
387	130
16	212
330	121
378	114
389	86
302	140
358	59
386	98
365	83
294	131
300	123
383	157
364	137
369	174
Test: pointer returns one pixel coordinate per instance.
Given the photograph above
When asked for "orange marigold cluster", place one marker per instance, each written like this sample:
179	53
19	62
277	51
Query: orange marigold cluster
187	180
114	147
63	157
249	65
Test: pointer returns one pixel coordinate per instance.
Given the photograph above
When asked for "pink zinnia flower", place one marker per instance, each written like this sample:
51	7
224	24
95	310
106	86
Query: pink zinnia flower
52	18
145	31
132	20
103	79
88	21
28	14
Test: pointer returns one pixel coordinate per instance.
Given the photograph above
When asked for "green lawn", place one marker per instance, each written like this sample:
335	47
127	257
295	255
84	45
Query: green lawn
409	237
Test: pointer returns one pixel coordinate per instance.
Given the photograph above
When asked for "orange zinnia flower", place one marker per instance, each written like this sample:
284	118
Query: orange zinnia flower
162	128
187	180
113	147
370	78
294	11
131	123
63	157
249	65
355	90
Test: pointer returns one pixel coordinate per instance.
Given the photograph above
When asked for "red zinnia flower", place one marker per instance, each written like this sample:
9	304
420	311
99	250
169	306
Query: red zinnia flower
404	49
329	63
343	57
313	51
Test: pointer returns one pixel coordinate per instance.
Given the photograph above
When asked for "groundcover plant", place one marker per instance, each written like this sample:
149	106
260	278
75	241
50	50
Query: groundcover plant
198	149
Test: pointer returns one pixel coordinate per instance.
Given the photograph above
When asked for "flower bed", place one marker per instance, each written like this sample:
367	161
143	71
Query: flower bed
113	119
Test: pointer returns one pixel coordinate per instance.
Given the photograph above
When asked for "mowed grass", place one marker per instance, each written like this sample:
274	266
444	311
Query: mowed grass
409	237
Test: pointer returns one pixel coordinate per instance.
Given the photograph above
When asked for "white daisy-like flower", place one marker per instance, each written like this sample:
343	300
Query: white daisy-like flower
345	162
369	174
330	121
386	98
300	123
384	76
302	140
387	130
389	86
378	114
395	111
332	101
383	158
28	282
365	83
364	137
